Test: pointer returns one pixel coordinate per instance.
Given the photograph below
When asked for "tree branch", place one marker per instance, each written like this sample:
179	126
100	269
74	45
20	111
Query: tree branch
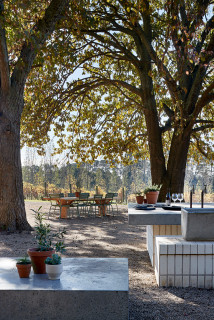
206	97
202	128
207	30
171	83
38	36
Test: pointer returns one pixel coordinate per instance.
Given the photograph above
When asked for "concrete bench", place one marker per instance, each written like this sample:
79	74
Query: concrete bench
181	263
89	288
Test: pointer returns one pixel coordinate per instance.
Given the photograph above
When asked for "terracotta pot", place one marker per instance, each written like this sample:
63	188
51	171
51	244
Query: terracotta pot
139	199
38	259
152	197
77	194
54	271
24	270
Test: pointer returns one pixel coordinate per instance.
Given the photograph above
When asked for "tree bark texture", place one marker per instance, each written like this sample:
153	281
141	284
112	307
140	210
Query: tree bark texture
12	207
176	166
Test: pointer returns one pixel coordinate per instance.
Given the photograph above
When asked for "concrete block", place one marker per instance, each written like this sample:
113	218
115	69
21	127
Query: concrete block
194	248
178	265
197	224
184	269
201	248
163	281
163	249
178	281
178	248
208	282
171	264
208	264
171	249
201	264
186	248
154	217
186	281
193	264
163	265
193	281
201	282
171	281
186	264
89	288
208	248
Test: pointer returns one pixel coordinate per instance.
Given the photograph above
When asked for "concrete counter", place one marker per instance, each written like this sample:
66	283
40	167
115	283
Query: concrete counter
159	222
158	216
89	288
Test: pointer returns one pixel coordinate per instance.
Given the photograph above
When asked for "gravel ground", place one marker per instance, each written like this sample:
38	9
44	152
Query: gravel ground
113	237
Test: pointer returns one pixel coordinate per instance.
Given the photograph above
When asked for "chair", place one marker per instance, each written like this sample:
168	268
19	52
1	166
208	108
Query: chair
54	204
83	204
108	205
95	205
114	201
71	195
73	204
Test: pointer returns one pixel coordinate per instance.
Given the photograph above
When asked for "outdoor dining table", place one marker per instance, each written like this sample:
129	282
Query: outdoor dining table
62	202
66	201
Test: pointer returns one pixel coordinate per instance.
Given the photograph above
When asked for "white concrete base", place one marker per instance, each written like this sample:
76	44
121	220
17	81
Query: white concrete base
89	289
181	263
156	230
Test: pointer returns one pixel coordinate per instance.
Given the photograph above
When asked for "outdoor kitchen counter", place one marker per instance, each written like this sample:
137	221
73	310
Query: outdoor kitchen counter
159	222
158	216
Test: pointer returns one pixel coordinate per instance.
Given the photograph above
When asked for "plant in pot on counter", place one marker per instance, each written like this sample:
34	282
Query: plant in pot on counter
23	266
54	266
152	193
140	197
48	242
77	192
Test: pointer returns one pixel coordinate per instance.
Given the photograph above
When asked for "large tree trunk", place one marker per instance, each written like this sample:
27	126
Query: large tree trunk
175	174
157	160
12	207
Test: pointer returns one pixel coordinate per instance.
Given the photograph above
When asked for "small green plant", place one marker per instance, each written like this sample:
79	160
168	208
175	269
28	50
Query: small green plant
139	193
46	238
24	260
152	188
56	259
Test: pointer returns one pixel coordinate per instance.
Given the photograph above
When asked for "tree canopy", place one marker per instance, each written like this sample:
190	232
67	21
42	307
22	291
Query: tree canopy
145	85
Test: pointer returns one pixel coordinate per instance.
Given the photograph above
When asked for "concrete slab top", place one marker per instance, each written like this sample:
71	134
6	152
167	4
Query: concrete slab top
79	274
159	216
199	210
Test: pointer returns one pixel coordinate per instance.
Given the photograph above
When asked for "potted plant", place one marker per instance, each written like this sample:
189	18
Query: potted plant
54	266
152	193
23	266
139	197
47	243
77	192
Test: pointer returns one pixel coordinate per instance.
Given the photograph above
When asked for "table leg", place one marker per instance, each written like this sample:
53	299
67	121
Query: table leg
102	210
64	212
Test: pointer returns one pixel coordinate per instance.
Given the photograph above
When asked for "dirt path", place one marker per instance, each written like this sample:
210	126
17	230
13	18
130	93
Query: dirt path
113	237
